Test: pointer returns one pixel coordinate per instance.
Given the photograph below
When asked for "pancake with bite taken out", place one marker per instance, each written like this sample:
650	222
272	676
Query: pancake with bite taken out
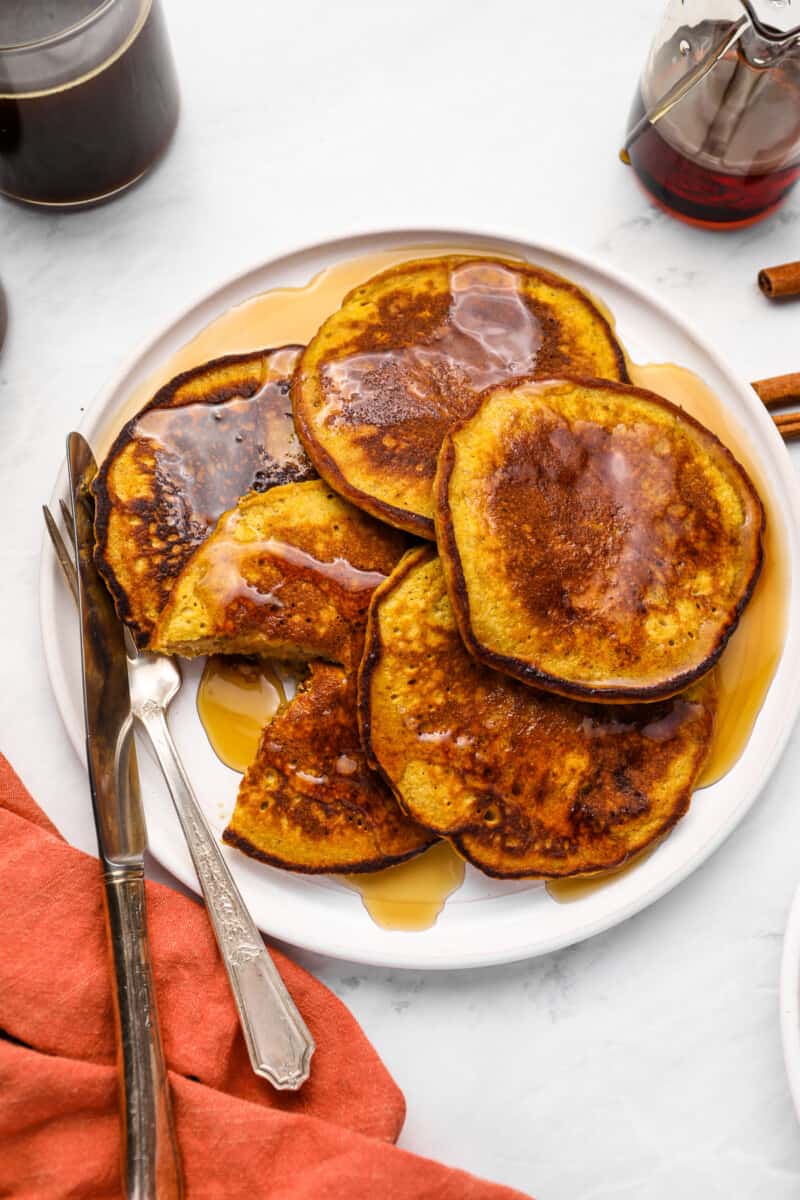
309	802
290	573
287	573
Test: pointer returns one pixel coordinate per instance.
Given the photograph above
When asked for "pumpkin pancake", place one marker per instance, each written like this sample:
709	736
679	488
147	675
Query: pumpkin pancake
309	802
406	355
598	542
287	573
206	438
524	783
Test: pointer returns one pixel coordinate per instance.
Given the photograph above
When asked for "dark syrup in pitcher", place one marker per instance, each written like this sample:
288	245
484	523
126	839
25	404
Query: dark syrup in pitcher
726	155
90	137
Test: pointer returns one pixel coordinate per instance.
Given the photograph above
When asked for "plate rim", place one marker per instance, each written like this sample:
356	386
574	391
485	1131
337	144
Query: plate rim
787	486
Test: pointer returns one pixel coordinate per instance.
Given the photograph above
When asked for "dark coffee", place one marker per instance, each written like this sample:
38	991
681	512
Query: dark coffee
90	137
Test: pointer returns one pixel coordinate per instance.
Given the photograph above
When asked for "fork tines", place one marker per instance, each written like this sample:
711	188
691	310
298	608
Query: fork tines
60	546
66	516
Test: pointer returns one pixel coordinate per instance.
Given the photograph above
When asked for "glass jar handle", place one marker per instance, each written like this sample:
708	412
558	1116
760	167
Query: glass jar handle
685	85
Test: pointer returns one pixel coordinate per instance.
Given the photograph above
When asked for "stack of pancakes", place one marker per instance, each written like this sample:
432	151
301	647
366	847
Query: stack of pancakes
509	573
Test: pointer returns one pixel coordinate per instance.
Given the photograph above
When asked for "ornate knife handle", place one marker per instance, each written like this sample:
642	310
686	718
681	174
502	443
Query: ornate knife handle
278	1041
149	1151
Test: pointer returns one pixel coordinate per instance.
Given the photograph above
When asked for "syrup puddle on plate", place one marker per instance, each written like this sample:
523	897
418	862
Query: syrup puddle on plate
411	895
748	662
284	316
236	698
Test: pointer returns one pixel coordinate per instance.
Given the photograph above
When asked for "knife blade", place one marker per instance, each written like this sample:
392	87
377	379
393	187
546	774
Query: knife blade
150	1161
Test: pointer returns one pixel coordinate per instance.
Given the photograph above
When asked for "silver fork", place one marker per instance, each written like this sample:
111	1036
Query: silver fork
278	1040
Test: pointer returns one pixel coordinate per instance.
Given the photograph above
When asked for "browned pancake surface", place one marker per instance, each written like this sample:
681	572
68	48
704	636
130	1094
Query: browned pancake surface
205	439
597	541
288	573
524	783
309	802
406	355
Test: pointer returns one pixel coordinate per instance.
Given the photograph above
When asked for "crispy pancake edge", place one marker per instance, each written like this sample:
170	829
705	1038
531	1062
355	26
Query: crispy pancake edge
358	867
163	398
373	646
399	518
372	651
326	466
245	846
457	587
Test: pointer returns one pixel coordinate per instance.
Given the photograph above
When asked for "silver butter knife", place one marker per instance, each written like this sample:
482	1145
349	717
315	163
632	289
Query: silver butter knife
278	1040
150	1159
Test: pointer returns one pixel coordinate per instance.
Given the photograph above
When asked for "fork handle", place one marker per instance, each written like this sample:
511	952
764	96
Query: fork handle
278	1040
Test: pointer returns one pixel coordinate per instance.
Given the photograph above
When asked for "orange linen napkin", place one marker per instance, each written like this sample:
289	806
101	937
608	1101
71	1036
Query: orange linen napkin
59	1105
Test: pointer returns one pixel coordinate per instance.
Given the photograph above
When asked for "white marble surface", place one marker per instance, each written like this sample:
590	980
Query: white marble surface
647	1062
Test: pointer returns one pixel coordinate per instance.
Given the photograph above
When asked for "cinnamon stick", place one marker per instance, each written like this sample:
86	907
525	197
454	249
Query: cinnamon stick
783	280
778	389
788	425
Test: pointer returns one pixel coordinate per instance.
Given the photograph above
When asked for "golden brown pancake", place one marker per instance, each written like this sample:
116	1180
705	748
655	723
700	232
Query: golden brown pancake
524	783
287	573
408	352
598	542
309	802
205	439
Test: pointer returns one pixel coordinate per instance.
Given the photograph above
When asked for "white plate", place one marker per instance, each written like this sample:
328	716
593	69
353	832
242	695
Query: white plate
486	921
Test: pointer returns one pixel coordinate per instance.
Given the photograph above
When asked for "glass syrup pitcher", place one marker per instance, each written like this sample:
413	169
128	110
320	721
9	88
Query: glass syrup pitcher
714	133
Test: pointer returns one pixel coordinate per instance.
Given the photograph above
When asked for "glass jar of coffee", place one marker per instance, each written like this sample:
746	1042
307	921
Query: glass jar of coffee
88	97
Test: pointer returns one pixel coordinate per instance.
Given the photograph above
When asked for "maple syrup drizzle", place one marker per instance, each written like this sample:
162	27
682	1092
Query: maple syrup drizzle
223	580
748	662
292	315
279	317
490	334
411	895
211	454
338	570
236	698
